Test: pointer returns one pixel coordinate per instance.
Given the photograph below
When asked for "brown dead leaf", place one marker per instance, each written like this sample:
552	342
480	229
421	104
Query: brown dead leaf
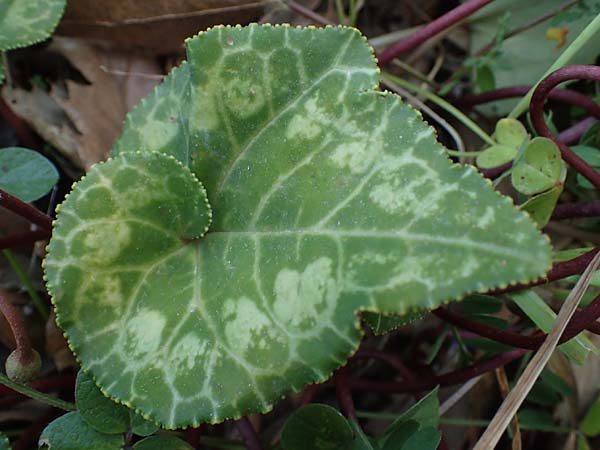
161	25
83	120
57	347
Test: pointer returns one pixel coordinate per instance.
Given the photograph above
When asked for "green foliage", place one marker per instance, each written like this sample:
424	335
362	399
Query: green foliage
26	174
26	22
4	443
540	168
384	323
590	155
98	411
318	427
70	432
590	424
510	135
141	426
162	443
322	208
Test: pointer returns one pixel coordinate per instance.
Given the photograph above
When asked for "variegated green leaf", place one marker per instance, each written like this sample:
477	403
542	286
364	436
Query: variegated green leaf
329	197
25	22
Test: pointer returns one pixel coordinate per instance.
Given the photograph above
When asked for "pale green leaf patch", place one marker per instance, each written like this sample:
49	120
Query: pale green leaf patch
329	198
70	432
26	174
26	22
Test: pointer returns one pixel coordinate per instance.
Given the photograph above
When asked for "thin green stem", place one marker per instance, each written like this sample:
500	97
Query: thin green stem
27	284
339	5
564	58
36	395
465	154
353	14
450	109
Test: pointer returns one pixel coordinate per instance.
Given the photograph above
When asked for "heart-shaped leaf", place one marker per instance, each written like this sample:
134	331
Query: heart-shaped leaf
70	432
495	156
25	22
26	174
98	411
329	197
510	132
539	169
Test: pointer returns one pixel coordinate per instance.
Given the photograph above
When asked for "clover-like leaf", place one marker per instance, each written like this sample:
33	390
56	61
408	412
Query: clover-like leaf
25	173
495	156
98	411
329	197
510	132
70	432
25	22
540	168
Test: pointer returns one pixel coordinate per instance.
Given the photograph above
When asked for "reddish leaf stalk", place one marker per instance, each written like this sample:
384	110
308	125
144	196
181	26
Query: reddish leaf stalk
248	434
536	109
575	210
431	29
25	210
308	13
15	321
572	134
26	238
447	379
562	95
344	395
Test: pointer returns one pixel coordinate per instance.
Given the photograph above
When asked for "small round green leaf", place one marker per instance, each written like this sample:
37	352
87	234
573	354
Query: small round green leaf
25	22
70	432
141	426
541	206
539	169
97	410
495	156
4	442
318	427
162	443
510	132
26	174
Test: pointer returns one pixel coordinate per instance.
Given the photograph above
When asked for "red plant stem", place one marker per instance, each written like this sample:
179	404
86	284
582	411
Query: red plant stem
391	360
536	109
431	29
26	238
248	434
563	95
560	270
25	210
495	172
574	210
15	321
344	395
309	394
581	320
446	379
572	134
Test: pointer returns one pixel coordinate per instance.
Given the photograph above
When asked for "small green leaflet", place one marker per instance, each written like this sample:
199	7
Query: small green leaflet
70	432
4	443
26	174
328	197
26	22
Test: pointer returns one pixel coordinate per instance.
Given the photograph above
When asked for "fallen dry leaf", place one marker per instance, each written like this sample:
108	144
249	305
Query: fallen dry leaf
83	120
161	25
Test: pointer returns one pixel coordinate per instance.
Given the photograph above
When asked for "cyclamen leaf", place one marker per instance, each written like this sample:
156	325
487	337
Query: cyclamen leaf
329	197
25	22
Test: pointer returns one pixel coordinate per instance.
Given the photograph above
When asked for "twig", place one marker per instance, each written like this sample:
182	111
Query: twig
25	210
542	92
515	398
431	29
